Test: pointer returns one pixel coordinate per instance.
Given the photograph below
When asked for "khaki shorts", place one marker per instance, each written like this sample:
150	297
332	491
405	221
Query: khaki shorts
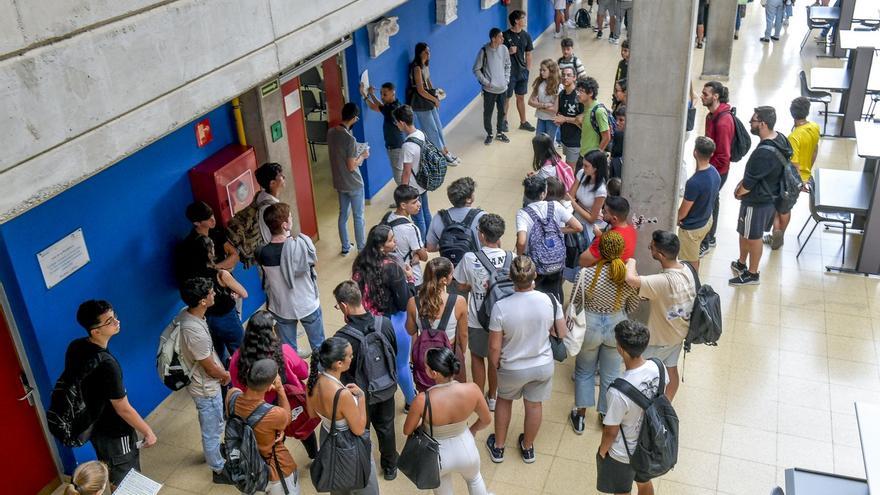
667	353
690	242
532	384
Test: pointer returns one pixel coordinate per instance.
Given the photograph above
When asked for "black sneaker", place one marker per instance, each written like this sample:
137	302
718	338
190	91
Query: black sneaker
501	137
389	473
525	126
488	140
745	278
713	242
737	267
765	40
704	250
221	478
598	35
496	454
774	38
577	422
346	251
528	455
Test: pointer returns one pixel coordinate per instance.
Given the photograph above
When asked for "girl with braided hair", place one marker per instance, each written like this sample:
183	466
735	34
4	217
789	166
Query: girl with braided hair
601	291
261	341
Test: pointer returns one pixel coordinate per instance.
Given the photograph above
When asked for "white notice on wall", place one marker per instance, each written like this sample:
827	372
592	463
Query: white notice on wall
291	103
135	483
63	258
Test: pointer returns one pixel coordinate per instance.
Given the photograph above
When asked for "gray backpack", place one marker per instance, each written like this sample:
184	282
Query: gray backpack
499	286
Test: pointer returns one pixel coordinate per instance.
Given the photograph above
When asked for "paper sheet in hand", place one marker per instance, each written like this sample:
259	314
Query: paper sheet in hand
365	80
135	483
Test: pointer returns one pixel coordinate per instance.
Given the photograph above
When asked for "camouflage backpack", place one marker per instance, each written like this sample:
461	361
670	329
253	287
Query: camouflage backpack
243	231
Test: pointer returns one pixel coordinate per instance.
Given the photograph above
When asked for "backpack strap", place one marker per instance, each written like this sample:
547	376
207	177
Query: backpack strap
447	312
634	394
694	273
447	219
551	206
385	217
259	413
486	262
532	213
471	215
232	399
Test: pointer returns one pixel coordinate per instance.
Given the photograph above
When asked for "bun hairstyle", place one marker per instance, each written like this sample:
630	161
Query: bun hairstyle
89	478
522	272
443	361
430	292
610	249
329	352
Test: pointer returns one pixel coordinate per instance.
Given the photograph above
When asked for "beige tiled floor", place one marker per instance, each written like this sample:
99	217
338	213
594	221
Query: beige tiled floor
777	392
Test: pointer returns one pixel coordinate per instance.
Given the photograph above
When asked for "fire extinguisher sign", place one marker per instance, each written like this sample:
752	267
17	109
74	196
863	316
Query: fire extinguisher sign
203	133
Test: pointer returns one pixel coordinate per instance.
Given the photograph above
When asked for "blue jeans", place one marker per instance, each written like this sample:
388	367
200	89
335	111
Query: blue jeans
773	17
404	373
787	11
226	333
429	122
599	349
210	411
353	200
422	219
313	325
547	127
738	18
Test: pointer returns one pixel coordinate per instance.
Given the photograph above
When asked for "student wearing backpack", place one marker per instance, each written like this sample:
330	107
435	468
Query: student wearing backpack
434	310
409	247
262	342
547	162
596	128
247	231
624	417
720	129
262	377
117	424
568	60
412	156
757	193
208	376
672	293
492	70
346	158
540	226
473	276
569	117
379	403
519	348
453	231
290	279
616	213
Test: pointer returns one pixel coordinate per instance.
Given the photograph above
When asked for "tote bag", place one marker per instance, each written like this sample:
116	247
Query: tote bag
420	458
576	320
343	462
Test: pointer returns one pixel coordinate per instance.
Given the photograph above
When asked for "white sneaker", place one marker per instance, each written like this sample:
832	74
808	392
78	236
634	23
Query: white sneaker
557	35
491	403
570	24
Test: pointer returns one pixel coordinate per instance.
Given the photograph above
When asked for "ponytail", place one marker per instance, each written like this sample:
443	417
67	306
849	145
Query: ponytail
430	297
89	478
313	373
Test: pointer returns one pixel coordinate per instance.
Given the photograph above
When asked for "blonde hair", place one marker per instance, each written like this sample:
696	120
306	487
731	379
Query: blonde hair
611	246
522	272
552	79
430	293
89	478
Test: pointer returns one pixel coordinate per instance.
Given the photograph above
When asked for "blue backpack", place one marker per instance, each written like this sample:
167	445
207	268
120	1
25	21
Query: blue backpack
546	245
594	121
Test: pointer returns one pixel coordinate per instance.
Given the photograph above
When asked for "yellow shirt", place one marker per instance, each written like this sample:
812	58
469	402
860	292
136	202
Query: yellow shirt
804	140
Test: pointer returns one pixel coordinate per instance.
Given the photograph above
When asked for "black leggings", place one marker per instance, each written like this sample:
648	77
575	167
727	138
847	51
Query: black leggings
550	283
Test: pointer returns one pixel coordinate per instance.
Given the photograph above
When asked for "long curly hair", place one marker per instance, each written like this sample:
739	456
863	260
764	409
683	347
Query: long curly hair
431	290
260	342
367	269
610	249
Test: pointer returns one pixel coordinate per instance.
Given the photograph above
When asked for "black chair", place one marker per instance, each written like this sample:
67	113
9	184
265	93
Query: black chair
312	79
316	133
814	96
311	104
811	25
844	219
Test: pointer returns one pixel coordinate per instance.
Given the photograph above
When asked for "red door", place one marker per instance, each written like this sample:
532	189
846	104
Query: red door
23	447
299	158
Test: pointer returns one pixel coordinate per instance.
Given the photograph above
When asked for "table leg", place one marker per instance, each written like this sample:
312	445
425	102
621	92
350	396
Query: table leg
869	254
847	9
859	70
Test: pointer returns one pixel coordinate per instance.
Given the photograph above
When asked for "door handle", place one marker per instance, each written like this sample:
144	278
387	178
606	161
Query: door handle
28	390
27	396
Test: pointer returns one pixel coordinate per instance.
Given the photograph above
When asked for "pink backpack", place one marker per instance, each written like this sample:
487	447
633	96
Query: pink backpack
427	339
564	174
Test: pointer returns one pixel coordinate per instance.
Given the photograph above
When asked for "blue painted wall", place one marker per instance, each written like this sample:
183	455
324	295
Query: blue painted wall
453	50
131	216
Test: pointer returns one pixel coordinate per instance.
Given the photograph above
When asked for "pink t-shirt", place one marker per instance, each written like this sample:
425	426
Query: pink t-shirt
297	371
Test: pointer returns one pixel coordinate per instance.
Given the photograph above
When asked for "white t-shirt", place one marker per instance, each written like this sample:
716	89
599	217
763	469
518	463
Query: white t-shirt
547	170
524	222
470	271
412	153
525	318
624	412
586	196
408	239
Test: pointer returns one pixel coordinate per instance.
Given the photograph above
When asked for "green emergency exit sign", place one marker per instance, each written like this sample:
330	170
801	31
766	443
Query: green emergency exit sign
276	131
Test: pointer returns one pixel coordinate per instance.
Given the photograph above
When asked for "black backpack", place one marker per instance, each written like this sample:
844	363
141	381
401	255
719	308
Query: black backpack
657	449
499	286
790	182
68	417
582	18
244	465
742	140
705	324
393	223
375	366
457	238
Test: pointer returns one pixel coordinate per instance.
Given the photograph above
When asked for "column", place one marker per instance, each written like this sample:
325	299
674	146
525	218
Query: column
719	44
656	114
260	113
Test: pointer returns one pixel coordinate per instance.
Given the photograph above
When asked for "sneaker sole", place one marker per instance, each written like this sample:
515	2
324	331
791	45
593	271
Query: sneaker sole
523	456
750	282
492	457
576	432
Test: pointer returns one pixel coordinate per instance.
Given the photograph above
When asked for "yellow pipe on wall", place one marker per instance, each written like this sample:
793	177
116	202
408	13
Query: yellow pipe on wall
239	123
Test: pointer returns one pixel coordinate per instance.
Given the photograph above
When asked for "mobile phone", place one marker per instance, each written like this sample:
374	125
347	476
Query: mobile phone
139	444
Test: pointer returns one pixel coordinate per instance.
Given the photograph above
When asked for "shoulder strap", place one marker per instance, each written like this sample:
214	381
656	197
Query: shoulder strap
634	394
333	412
553	303
661	387
353	332
232	400
550	209
532	213
694	273
447	219
487	263
471	215
259	413
447	312
427	411
385	218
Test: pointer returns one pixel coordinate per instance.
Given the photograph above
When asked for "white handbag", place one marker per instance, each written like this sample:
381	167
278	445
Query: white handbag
576	320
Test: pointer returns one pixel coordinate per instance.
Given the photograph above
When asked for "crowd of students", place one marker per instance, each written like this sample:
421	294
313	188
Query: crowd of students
574	226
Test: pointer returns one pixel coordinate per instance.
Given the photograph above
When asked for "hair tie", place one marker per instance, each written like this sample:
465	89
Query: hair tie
75	486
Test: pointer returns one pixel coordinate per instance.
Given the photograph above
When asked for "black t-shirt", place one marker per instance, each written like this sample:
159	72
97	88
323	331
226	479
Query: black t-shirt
622	70
363	323
617	144
523	43
189	253
393	136
270	254
569	106
100	387
223	300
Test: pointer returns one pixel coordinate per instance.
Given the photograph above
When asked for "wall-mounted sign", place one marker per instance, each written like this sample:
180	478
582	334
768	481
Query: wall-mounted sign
203	133
276	131
291	103
269	88
61	259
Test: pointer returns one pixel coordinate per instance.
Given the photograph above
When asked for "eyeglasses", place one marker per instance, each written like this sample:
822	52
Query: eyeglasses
755	121
110	321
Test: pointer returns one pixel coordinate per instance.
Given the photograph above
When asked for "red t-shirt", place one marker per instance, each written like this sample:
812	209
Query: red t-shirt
630	237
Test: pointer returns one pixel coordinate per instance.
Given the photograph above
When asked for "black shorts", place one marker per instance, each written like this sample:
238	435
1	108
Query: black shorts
613	476
519	83
754	220
120	454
